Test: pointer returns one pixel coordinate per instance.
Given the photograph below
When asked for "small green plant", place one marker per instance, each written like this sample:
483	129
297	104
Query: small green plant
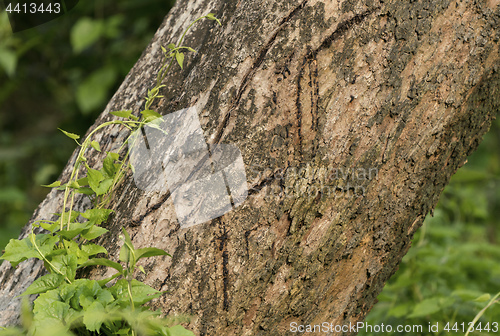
67	305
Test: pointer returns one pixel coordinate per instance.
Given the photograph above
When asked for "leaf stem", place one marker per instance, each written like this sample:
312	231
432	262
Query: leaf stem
32	239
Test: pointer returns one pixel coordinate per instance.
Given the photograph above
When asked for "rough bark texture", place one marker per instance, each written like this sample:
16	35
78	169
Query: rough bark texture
308	89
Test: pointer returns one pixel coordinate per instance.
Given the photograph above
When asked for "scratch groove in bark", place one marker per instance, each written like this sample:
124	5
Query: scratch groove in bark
309	63
256	188
307	105
313	77
247	234
298	105
225	258
156	206
249	75
341	29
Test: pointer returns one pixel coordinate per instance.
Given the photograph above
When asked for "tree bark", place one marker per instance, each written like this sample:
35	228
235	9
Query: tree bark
351	117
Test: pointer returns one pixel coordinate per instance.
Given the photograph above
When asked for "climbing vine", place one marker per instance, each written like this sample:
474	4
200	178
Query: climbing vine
115	305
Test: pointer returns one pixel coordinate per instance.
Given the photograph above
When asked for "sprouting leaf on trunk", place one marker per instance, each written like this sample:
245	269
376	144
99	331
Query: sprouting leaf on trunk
180	59
95	145
52	185
70	135
125	114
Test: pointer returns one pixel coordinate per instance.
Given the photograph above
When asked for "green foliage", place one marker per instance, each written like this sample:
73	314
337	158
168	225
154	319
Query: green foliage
86	32
67	305
451	274
94	89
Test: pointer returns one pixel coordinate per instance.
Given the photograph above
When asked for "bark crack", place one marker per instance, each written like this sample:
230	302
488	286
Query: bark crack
342	27
298	104
225	260
313	88
256	188
156	206
306	137
250	73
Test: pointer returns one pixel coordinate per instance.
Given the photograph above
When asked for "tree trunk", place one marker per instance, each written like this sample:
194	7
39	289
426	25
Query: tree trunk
351	117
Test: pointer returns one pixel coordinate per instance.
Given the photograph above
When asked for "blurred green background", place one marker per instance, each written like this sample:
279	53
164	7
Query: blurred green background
62	74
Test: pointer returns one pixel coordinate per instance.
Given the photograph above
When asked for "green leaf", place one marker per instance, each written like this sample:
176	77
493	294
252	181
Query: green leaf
8	61
74	185
50	315
141	293
74	215
85	190
83	181
74	230
483	298
426	307
94	316
92	249
104	186
150	115
82	293
85	32
44	283
17	251
179	330
44	242
150	252
171	46
466	294
180	58
52	185
67	291
70	135
109	165
127	251
103	282
114	156
64	217
125	114
62	186
400	310
50	226
97	216
66	264
94	232
103	262
211	16
92	93
95	145
113	25
94	178
74	249
50	312
156	125
98	182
